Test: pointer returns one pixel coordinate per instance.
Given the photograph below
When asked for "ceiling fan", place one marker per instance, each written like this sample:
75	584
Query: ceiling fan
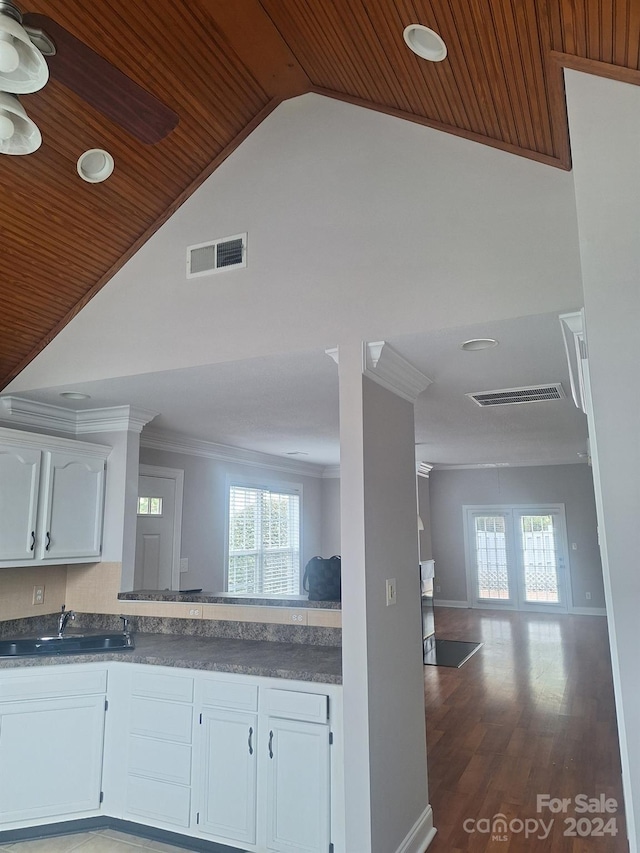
24	42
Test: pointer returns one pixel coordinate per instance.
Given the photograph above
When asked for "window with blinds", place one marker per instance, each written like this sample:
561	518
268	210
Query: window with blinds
264	541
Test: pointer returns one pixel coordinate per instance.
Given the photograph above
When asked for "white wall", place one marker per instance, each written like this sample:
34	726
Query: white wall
604	119
361	226
571	485
204	511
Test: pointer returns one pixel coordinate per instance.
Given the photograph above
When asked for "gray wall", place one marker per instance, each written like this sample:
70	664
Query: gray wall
424	511
330	538
204	511
571	485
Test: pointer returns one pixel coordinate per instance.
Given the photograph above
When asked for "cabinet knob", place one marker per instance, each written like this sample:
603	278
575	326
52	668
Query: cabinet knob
250	740
271	744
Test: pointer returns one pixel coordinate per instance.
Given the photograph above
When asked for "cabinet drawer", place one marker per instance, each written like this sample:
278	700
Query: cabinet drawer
160	801
230	694
167	762
295	705
51	685
164	720
154	685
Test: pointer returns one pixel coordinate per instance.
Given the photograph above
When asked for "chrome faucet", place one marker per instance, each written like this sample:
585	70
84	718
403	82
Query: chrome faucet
63	618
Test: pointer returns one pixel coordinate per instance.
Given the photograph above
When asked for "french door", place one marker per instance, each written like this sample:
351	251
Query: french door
517	556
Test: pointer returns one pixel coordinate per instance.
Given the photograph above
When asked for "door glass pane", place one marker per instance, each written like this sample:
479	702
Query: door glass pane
491	557
540	558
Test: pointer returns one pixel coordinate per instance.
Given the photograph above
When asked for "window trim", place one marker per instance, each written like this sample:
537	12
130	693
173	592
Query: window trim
277	486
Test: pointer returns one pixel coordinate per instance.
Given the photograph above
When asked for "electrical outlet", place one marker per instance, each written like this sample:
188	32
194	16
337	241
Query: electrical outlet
587	595
437	587
194	611
298	618
184	564
38	595
391	591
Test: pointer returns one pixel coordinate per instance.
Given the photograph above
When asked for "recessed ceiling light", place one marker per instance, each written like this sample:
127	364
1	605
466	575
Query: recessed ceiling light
75	395
479	343
425	43
95	165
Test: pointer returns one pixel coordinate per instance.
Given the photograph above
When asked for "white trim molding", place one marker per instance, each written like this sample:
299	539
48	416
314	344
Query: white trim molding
46	416
386	367
420	835
442	602
173	443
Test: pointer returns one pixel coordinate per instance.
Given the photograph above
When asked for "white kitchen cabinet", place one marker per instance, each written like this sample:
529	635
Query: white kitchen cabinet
19	482
228	775
51	499
297	799
159	736
51	737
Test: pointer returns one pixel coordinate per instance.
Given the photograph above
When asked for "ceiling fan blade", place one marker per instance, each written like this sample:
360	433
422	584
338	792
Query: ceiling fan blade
103	86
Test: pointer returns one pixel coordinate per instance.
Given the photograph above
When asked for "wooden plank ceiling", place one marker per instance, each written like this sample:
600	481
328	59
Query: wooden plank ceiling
222	66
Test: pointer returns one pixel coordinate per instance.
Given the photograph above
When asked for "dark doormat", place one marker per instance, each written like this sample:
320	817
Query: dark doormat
450	653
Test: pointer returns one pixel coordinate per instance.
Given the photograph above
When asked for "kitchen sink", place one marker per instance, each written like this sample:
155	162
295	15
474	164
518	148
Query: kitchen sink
68	644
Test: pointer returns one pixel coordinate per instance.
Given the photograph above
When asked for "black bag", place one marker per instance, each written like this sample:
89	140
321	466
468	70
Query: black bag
322	579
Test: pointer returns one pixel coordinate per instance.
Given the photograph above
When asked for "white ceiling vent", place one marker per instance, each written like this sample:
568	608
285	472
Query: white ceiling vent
510	396
229	253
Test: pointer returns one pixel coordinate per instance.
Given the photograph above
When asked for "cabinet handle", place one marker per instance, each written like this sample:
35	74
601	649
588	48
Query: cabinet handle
270	744
33	540
250	740
46	547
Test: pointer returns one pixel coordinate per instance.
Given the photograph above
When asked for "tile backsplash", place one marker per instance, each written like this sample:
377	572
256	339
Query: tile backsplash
17	591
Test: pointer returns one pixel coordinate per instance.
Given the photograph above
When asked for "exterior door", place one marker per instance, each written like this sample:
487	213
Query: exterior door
159	514
517	557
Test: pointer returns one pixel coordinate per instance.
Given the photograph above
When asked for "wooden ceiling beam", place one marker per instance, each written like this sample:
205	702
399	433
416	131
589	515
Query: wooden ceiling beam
259	46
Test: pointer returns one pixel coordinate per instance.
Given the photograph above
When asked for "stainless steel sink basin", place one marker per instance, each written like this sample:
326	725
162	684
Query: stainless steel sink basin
69	644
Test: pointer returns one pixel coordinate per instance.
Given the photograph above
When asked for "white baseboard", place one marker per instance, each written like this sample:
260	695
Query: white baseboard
420	835
441	602
588	611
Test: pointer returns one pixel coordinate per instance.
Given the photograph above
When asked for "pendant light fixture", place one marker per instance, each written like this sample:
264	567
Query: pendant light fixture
18	134
23	69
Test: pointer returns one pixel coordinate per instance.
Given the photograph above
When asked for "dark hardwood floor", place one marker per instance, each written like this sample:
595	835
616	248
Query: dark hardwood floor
531	713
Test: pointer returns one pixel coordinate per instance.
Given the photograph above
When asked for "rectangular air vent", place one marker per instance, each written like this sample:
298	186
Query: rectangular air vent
510	396
229	253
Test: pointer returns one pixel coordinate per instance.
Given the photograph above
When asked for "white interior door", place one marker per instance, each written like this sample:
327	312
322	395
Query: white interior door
159	519
517	556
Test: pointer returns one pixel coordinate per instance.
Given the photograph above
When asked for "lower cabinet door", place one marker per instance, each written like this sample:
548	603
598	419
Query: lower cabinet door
298	780
50	757
228	774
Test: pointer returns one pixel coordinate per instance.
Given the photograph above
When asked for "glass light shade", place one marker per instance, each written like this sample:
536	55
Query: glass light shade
26	137
32	71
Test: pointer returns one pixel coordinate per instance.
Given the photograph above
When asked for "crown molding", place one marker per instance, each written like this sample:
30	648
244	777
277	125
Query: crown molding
386	367
174	443
19	411
331	472
424	469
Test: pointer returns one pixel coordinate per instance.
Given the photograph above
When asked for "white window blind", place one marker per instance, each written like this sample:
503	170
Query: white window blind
264	541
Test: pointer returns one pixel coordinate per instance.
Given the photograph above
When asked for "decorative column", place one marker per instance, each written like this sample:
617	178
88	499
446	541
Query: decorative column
386	797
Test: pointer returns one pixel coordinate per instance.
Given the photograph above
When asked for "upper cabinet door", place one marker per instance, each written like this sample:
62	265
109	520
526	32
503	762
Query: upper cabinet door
72	507
19	479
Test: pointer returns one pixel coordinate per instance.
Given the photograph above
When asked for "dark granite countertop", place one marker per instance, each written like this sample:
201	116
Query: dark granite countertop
248	657
247	599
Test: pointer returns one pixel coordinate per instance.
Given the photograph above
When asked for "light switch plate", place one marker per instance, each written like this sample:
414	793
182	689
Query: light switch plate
184	564
391	591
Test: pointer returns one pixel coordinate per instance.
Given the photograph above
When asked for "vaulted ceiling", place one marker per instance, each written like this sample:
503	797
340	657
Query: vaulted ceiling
220	67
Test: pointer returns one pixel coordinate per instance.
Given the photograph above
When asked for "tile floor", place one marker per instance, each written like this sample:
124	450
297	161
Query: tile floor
102	841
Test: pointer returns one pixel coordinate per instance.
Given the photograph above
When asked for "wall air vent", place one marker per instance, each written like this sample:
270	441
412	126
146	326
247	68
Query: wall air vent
510	396
229	253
